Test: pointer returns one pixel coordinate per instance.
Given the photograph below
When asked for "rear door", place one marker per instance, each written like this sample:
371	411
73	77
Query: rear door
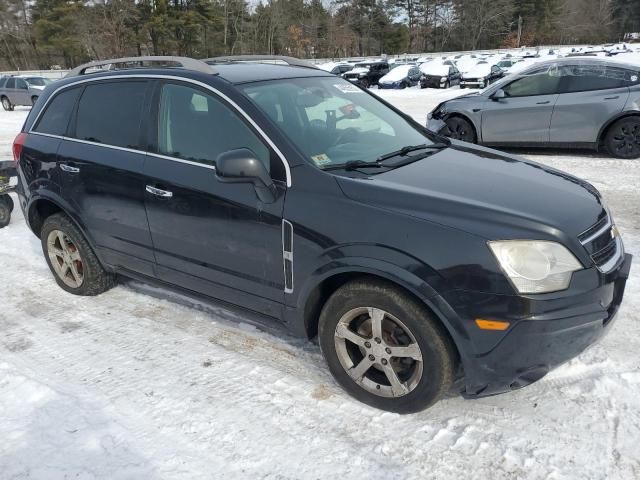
524	115
101	167
21	93
212	237
592	94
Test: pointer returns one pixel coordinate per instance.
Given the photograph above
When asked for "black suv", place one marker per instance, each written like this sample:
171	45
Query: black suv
422	263
367	74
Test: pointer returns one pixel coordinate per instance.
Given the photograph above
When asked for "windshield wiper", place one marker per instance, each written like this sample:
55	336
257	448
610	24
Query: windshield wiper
354	164
412	148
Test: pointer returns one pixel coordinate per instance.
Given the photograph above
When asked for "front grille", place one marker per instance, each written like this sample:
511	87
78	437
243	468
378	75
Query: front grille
603	244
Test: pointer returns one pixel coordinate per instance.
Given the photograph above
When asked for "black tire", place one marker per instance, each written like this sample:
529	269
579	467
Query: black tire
447	84
437	350
6	198
403	86
364	83
623	138
96	279
6	104
422	85
460	129
5	214
461	86
34	99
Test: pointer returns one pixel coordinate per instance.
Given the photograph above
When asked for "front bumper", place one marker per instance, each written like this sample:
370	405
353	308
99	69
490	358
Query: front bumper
472	83
433	82
543	333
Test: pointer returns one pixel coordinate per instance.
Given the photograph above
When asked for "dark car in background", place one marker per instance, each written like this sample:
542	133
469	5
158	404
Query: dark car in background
572	102
401	76
367	74
436	74
481	75
421	263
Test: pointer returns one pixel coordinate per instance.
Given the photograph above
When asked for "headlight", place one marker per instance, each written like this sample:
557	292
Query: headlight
443	79
362	75
535	266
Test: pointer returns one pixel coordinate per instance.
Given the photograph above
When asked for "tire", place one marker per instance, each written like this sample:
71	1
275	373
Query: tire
34	99
6	104
422	85
8	201
460	129
364	83
421	383
403	86
78	269
623	138
5	214
461	86
447	84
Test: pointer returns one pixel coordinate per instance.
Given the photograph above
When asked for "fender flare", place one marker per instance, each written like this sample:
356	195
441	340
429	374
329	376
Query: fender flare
64	207
612	120
416	286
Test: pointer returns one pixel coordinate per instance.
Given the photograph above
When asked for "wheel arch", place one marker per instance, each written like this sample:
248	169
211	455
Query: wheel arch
468	119
314	296
609	123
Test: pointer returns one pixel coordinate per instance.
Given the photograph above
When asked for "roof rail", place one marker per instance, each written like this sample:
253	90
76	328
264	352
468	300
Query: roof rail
295	62
183	62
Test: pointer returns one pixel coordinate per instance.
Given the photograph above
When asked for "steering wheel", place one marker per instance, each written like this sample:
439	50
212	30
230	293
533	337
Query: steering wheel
344	134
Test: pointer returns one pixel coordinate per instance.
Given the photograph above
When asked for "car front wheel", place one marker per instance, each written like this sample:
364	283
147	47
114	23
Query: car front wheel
385	348
460	129
72	261
623	138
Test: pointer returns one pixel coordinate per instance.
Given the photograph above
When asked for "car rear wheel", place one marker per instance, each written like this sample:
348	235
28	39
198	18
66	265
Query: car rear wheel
623	138
460	129
71	259
385	348
6	104
365	83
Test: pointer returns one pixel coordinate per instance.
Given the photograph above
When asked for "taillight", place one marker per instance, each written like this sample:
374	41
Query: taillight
18	143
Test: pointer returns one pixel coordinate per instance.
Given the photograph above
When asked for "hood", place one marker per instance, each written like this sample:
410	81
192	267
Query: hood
484	192
359	70
478	71
436	69
395	75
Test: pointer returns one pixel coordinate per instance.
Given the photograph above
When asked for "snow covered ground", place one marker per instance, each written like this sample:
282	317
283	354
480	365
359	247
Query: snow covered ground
141	383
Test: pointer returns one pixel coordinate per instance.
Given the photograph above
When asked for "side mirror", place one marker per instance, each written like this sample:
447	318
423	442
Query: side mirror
242	166
498	94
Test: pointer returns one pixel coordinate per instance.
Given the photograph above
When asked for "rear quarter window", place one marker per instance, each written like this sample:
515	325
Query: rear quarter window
111	113
55	118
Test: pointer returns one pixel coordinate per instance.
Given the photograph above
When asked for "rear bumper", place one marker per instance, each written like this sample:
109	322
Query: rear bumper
553	332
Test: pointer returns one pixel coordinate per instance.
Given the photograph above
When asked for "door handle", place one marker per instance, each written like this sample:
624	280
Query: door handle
612	98
159	193
69	168
543	103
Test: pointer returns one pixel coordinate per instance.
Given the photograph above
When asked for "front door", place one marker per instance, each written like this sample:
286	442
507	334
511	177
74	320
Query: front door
211	237
524	114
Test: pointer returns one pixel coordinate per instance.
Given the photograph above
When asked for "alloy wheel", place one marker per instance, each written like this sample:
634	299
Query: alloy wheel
378	352
626	140
6	104
65	259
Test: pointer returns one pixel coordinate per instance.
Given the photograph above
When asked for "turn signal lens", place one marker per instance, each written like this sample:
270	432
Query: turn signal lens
491	324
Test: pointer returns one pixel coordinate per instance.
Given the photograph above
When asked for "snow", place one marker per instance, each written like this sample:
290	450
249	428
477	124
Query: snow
397	73
142	383
435	68
478	71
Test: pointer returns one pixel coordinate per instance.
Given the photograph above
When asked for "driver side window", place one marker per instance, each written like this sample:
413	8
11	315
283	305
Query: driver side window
545	82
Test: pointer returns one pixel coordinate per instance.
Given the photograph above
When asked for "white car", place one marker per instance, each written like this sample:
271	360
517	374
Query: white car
481	75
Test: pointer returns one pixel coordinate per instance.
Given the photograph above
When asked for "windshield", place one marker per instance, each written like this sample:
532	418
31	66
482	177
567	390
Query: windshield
333	121
38	81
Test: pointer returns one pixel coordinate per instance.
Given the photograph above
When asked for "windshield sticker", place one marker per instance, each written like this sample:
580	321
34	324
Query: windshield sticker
347	88
321	159
634	78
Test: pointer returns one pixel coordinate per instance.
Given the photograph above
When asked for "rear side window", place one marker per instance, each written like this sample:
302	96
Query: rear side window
55	118
111	113
581	78
2	82
11	83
